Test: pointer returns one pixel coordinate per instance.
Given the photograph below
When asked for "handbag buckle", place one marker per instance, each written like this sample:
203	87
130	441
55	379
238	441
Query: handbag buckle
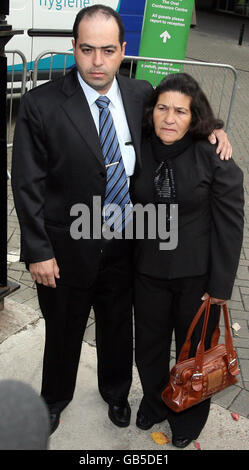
176	378
232	362
197	381
197	374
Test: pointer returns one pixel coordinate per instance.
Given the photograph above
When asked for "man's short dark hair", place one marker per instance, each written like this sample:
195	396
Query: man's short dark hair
93	10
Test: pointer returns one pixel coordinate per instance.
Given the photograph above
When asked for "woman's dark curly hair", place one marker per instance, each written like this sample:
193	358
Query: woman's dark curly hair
203	121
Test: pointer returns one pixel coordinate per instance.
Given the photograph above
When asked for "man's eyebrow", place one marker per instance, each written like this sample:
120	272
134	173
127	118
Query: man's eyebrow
108	46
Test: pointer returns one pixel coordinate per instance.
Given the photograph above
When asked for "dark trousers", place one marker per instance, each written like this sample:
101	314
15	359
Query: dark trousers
161	307
66	311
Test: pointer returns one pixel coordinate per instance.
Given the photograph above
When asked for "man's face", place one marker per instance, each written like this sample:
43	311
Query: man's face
98	52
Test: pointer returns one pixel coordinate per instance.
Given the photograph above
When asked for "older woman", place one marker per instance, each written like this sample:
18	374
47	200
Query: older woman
180	167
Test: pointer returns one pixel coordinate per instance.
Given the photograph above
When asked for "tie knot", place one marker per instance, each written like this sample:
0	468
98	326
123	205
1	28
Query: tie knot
102	102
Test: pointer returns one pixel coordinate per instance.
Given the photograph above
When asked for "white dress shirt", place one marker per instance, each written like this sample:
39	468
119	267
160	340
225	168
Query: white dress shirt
119	117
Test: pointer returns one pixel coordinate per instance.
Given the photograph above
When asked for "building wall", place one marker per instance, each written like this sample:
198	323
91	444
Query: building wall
205	4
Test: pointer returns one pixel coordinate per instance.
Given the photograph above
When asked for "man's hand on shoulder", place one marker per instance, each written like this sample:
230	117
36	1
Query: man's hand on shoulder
45	272
224	147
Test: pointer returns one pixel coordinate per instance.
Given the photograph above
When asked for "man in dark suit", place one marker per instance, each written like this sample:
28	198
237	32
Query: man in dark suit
58	163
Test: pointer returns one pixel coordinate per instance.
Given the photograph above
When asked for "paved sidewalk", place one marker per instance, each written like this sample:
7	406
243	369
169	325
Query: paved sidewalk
84	423
23	331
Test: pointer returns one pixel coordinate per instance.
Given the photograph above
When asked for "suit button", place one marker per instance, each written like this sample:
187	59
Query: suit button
102	174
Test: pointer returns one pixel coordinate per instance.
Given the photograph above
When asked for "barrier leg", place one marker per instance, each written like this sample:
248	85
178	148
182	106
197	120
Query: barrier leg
5	35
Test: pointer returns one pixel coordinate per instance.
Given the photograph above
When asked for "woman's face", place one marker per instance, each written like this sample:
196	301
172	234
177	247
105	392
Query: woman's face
172	116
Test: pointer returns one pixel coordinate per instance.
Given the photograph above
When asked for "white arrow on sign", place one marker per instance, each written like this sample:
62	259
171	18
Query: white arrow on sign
165	35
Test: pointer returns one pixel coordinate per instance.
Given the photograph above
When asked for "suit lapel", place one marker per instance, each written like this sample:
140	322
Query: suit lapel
77	109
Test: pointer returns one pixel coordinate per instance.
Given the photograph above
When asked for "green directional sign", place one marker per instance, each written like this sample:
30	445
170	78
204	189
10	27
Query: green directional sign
164	35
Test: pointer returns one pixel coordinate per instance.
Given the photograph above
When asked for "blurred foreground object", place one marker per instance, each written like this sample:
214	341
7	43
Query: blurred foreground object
24	419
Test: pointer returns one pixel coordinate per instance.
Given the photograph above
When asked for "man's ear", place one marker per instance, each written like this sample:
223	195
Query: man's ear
74	45
123	49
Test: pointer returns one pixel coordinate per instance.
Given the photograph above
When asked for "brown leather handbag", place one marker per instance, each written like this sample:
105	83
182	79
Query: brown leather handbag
192	380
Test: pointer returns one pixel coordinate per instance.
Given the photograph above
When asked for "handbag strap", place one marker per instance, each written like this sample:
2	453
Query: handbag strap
199	358
232	362
184	354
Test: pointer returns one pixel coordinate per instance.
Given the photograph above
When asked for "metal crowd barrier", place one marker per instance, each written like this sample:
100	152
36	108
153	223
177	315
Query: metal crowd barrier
219	81
17	80
51	72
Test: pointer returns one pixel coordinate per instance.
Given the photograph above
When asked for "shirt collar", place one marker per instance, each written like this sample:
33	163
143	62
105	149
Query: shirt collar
92	95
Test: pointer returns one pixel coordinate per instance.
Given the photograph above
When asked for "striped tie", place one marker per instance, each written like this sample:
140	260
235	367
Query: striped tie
117	191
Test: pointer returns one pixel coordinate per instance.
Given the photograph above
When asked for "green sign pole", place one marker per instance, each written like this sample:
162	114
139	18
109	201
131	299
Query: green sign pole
164	35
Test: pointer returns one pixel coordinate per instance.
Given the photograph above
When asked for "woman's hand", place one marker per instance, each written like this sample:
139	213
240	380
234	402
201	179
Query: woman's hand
224	147
213	299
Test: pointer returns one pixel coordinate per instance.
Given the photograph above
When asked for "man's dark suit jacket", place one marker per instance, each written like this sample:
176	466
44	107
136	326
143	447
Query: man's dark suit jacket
210	201
57	163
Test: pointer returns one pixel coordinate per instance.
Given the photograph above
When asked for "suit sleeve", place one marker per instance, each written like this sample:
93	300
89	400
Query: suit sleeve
227	209
29	170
